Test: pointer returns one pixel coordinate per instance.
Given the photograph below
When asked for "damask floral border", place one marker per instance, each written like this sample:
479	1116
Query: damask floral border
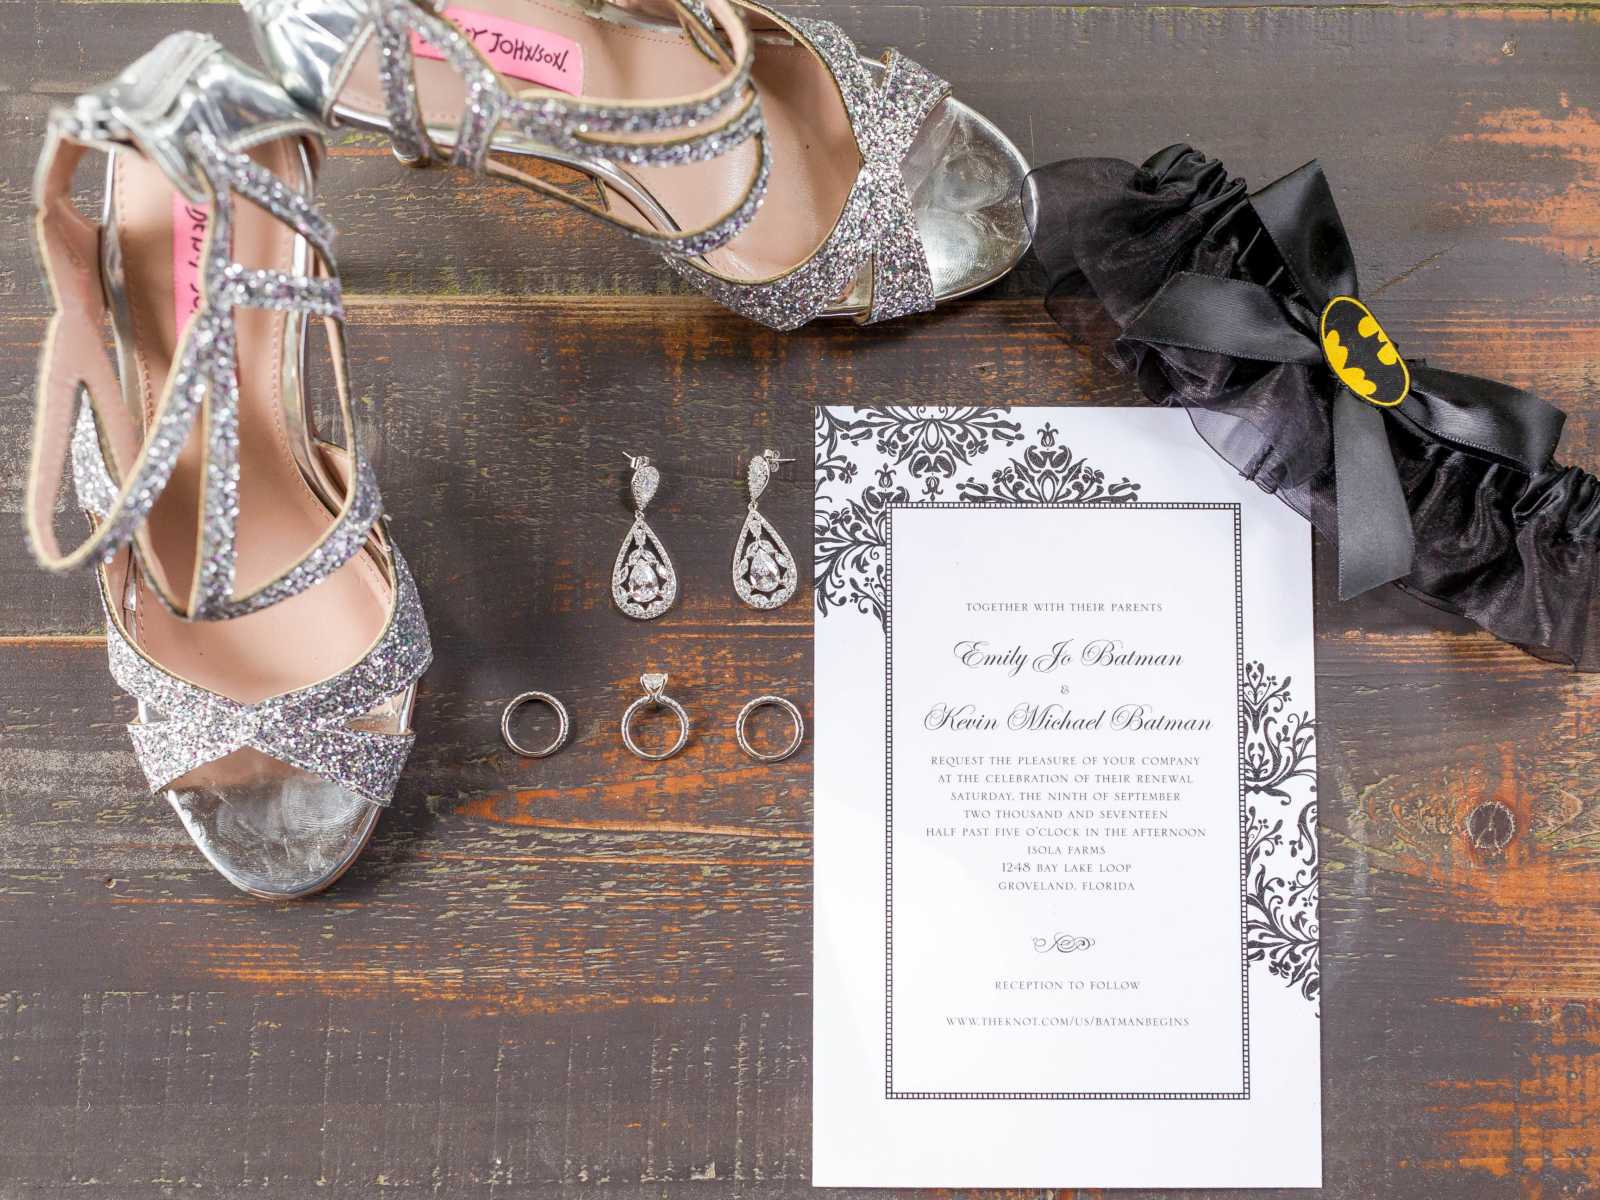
931	445
1280	779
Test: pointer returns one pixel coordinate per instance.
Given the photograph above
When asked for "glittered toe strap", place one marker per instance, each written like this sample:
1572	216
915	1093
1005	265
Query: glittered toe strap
877	228
189	726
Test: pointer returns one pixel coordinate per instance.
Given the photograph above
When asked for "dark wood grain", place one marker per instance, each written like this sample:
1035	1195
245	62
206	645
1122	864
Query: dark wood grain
589	978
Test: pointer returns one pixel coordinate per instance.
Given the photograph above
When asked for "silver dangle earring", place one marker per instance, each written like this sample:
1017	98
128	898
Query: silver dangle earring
764	573
643	582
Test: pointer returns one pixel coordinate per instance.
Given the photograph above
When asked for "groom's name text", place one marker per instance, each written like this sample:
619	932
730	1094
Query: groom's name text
1059	718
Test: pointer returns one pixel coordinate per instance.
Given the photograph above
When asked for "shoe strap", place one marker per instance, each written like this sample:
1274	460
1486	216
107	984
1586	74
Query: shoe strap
640	134
311	728
877	227
192	111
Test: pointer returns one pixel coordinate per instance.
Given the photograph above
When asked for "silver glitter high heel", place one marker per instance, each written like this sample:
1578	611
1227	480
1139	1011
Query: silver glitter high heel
255	608
887	195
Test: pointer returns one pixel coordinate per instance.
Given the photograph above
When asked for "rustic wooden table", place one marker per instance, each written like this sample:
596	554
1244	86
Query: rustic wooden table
587	977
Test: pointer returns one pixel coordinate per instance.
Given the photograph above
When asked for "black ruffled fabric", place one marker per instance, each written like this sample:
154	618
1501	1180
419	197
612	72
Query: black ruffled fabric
1514	551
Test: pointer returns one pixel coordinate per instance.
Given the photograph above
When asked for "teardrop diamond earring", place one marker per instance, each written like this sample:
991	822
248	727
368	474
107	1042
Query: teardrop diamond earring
764	573
643	582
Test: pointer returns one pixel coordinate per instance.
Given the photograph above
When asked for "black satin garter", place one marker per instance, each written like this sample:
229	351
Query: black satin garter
1245	309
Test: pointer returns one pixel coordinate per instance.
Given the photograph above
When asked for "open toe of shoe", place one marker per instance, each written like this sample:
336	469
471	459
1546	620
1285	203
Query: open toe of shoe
965	178
271	829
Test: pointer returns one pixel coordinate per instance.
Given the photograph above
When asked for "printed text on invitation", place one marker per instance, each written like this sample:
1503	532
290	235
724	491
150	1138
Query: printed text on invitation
1065	808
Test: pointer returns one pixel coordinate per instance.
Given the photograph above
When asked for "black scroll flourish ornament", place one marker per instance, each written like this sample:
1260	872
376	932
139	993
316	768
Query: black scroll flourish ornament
1063	943
1324	324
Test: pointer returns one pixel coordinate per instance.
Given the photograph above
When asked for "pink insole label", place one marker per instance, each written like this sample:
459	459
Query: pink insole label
520	51
189	224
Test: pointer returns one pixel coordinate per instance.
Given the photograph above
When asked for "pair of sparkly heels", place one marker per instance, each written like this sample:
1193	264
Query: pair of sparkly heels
256	607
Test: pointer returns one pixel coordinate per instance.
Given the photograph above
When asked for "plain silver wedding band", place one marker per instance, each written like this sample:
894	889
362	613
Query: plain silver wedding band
653	701
770	702
562	730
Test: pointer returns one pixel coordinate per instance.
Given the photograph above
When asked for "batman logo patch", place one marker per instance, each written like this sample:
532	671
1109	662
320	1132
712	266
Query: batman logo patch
1361	354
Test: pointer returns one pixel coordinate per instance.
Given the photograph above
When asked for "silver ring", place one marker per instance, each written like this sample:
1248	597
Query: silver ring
562	730
770	702
655	684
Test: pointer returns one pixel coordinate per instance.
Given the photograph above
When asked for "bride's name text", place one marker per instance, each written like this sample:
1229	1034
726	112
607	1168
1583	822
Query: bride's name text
980	655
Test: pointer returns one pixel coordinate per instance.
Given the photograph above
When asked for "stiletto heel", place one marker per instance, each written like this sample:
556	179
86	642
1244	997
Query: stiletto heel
887	195
254	605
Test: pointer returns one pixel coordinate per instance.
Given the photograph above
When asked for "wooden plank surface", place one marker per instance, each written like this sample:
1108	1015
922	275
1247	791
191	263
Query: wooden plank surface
590	978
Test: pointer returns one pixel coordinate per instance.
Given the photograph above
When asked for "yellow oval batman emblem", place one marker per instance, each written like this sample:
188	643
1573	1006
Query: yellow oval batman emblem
1360	353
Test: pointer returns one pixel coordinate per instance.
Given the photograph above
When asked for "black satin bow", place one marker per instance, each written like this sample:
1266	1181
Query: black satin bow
1248	320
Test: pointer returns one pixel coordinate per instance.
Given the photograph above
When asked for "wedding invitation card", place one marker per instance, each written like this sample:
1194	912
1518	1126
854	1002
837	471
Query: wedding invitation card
1066	856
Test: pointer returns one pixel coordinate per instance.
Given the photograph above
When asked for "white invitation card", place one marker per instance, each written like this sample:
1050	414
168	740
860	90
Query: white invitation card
1066	837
